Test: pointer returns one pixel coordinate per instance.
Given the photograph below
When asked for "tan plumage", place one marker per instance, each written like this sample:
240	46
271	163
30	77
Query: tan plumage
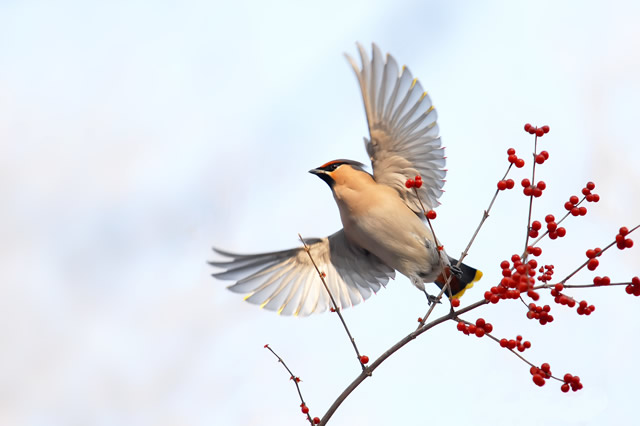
383	221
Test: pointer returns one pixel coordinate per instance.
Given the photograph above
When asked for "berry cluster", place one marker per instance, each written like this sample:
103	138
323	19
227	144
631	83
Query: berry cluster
532	190
515	344
593	262
506	184
540	375
540	313
585	309
515	281
560	298
590	197
554	230
547	273
634	287
414	183
597	281
572	382
479	329
538	131
514	159
621	241
542	157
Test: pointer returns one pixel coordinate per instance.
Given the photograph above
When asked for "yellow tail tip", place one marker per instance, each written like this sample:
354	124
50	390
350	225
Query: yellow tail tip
459	294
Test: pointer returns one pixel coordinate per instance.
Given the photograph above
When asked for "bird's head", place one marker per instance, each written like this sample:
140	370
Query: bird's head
339	171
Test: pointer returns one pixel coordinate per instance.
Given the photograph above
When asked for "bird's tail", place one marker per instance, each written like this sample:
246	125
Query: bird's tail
462	278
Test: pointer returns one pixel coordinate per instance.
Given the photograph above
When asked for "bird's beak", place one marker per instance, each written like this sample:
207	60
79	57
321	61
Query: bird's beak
324	176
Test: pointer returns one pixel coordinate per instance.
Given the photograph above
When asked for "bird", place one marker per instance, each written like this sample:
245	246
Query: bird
384	224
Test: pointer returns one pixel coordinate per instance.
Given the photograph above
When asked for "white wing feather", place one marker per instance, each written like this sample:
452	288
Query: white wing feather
286	281
403	131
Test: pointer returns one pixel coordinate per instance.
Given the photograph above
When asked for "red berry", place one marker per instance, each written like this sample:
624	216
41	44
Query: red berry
527	127
511	151
596	198
549	218
455	302
574	200
545	129
519	163
540	158
431	214
623	231
536	225
417	183
461	326
525	182
538	380
561	232
512	158
545	154
539	132
593	264
591	186
510	183
418	178
541	185
582	210
364	359
409	183
628	243
316	420
502	185
564	388
305	409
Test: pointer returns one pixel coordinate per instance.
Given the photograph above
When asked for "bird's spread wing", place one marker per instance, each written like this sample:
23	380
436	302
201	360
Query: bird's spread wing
286	281
404	139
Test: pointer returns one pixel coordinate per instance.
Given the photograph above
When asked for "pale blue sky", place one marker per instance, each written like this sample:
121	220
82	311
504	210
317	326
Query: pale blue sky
135	135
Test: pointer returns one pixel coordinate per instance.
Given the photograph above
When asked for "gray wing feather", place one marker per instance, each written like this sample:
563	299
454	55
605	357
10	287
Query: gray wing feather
403	132
286	281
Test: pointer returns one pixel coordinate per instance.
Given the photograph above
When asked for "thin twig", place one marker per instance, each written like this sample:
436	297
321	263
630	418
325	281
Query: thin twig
333	302
485	216
293	377
533	184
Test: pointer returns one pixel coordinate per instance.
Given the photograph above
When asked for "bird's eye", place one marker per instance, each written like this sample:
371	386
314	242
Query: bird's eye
332	167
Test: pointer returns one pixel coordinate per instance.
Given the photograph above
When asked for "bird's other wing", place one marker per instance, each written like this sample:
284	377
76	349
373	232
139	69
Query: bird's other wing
404	139
287	282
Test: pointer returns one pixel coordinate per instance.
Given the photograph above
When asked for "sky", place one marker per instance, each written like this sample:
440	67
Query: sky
136	135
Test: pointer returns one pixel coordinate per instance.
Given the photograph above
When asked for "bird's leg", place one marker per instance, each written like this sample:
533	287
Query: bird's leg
431	299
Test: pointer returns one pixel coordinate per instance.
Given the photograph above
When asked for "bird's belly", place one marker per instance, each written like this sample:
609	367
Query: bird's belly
403	243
